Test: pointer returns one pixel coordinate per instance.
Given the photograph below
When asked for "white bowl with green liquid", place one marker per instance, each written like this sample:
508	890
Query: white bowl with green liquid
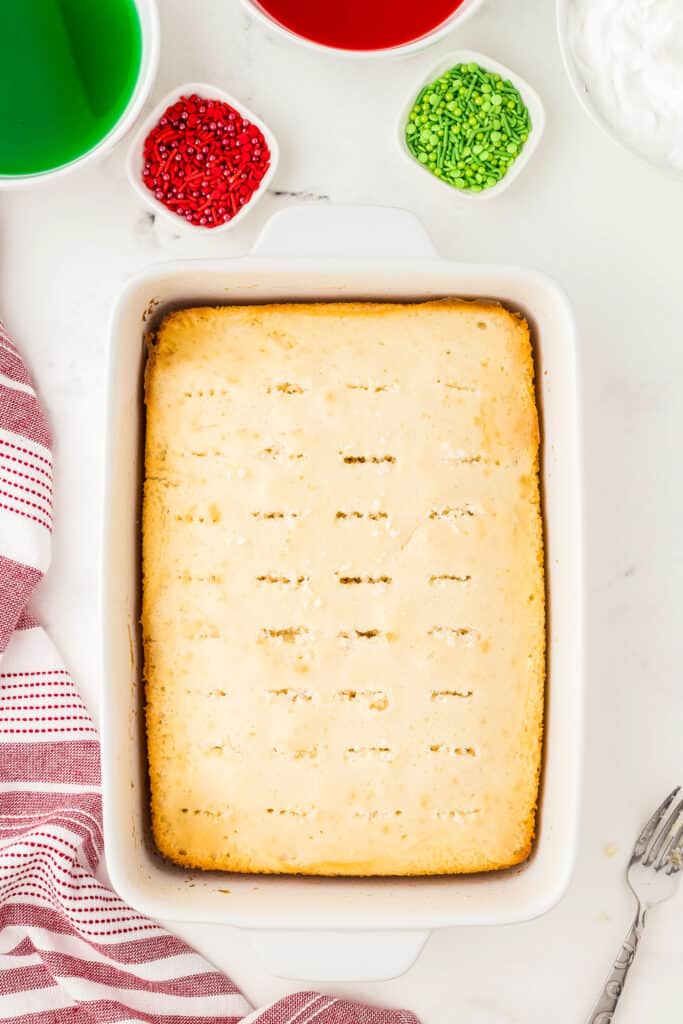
73	79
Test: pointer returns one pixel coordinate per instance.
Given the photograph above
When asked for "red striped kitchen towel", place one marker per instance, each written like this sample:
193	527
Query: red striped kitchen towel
71	951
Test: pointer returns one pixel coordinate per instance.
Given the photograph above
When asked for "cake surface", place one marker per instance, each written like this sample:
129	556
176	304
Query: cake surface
343	595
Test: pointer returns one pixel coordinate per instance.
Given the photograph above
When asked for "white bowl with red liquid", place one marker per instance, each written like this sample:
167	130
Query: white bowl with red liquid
464	10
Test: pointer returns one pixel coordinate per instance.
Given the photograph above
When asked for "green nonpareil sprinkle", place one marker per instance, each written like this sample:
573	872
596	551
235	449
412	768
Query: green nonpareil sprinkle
476	127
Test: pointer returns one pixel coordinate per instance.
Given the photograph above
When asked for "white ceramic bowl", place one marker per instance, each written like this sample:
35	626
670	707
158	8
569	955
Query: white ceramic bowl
149	60
528	94
574	76
467	8
136	159
583	95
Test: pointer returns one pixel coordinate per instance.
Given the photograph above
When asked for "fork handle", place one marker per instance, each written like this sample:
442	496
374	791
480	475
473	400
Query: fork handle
614	986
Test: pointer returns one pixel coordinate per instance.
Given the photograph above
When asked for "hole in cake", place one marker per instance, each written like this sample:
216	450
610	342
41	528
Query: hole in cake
451	634
384	753
278	454
462	460
444	748
189	517
452	512
361	580
188	577
285	388
359	634
447	577
292	695
376	700
211	392
375	516
482	325
296	755
456	815
376	388
456	385
285	635
354	460
372	814
283	581
207	633
275	515
443	695
292	812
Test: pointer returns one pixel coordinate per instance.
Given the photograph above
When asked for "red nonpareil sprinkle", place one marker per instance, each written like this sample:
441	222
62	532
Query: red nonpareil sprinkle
204	161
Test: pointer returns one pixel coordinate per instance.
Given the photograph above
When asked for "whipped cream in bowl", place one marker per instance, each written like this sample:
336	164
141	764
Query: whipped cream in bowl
625	61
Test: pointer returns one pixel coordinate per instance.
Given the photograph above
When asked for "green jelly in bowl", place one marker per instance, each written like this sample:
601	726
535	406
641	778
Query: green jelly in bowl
73	78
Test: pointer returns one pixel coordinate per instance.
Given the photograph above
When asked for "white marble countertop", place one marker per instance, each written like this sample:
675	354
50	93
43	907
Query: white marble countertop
607	227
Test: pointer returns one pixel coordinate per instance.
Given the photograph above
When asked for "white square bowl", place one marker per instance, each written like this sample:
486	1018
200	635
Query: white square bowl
529	95
339	928
135	161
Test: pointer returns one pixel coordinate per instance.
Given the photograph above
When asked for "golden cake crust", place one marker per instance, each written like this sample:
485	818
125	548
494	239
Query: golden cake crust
343	594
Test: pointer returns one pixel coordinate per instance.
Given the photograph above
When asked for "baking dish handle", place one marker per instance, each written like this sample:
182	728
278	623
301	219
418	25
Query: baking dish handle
338	955
377	232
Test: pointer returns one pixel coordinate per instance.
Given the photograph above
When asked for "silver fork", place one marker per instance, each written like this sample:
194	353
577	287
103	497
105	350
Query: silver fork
656	860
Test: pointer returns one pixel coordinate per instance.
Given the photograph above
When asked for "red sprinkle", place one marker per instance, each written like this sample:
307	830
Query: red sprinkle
209	174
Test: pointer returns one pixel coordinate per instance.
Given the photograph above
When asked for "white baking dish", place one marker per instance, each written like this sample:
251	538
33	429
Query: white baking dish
378	254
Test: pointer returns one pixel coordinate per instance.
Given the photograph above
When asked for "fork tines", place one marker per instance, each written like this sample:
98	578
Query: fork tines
658	843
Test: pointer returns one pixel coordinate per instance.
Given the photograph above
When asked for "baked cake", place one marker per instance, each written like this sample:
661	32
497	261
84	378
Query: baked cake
343	603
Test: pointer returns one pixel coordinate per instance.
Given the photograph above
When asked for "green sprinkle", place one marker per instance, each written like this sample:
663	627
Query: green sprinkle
468	127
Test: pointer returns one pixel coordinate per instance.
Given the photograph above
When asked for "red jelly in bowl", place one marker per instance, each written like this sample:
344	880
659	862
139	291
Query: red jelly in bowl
360	24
